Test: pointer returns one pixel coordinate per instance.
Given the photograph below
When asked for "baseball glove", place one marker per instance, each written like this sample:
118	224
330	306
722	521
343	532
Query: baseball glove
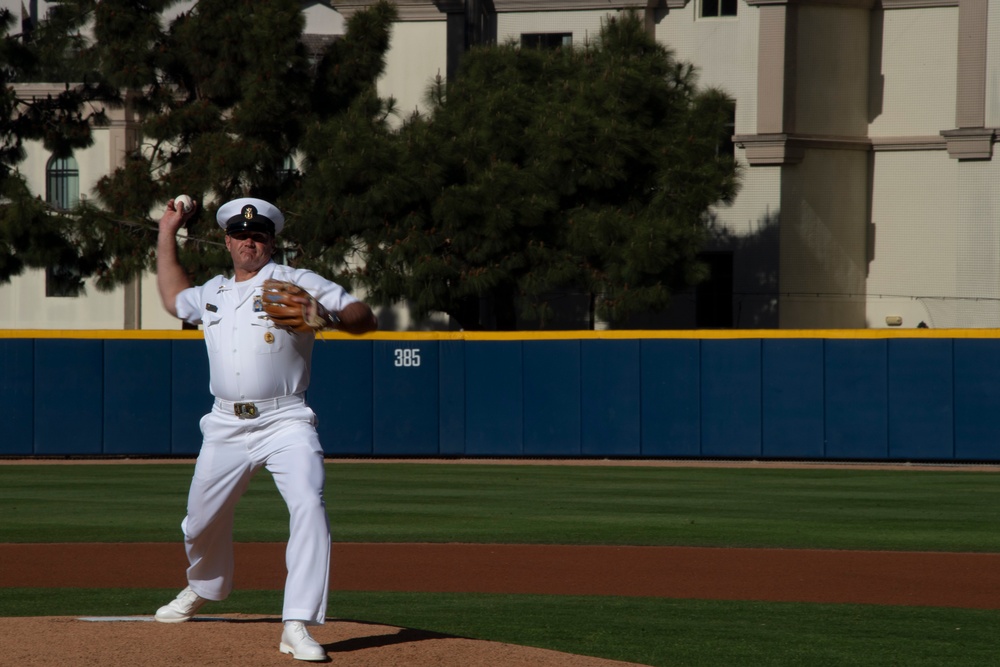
294	309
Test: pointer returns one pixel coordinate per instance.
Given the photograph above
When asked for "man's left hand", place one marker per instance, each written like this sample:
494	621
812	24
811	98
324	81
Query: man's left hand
294	309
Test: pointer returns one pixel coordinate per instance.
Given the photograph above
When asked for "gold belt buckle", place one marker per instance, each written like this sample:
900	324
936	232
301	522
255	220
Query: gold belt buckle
245	410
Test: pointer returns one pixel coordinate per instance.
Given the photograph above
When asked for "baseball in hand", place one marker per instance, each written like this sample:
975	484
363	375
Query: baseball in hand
183	203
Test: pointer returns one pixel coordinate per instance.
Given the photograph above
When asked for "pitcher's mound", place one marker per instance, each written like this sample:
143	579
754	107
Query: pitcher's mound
252	641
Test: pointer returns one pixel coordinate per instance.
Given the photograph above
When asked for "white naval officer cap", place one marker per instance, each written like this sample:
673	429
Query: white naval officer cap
251	215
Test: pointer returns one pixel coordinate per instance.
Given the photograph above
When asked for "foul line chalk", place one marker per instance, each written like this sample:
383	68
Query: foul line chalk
145	619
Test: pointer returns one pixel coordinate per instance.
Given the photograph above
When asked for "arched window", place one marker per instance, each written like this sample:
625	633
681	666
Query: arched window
62	191
62	182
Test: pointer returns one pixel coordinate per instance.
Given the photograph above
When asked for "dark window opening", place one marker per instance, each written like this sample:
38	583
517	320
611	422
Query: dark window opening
726	145
714	297
61	281
546	40
716	8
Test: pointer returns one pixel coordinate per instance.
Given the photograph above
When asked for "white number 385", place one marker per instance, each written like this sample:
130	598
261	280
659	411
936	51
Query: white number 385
406	357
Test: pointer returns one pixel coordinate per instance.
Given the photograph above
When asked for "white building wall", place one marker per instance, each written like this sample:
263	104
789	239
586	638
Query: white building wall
823	241
993	67
321	19
831	87
913	244
755	214
824	198
936	244
744	66
914	92
585	26
25	306
418	54
974	222
152	314
712	44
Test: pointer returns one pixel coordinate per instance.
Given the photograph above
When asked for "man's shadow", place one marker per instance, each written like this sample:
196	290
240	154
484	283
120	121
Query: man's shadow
401	636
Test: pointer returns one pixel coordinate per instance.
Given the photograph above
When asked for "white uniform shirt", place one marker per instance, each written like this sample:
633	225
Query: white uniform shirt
249	358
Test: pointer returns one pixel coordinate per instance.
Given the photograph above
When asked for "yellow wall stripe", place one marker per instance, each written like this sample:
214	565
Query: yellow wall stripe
154	334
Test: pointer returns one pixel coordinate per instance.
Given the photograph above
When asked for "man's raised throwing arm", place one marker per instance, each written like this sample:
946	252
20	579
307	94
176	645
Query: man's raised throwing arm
171	279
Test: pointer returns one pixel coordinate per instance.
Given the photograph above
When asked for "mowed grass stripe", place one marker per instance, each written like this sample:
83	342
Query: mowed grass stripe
841	508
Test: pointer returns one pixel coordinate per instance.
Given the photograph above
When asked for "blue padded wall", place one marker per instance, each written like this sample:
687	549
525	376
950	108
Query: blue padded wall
451	390
552	419
792	394
17	391
731	398
69	396
494	398
856	399
405	401
340	393
921	399
190	397
137	396
930	398
671	398
977	397
611	384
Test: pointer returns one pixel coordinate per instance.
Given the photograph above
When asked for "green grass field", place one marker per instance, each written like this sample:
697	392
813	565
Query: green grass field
843	508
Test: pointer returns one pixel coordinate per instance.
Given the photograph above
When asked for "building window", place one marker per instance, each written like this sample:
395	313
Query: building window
717	8
62	281
714	297
62	191
546	40
62	183
288	168
726	145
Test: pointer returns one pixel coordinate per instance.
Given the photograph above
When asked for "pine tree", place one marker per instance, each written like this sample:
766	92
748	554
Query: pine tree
225	93
536	173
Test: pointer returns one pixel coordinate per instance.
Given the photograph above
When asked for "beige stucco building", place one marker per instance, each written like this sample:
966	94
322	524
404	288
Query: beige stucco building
865	130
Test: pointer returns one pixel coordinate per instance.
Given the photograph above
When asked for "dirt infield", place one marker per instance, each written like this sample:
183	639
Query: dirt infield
252	641
964	580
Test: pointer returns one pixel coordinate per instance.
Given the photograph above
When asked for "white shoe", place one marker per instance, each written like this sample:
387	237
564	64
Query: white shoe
295	639
181	608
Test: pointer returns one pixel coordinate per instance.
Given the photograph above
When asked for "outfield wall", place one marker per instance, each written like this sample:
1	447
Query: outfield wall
918	395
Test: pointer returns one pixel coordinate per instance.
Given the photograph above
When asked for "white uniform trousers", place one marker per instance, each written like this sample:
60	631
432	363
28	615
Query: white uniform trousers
283	440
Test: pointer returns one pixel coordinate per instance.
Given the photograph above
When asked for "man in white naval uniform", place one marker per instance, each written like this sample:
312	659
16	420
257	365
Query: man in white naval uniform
259	374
